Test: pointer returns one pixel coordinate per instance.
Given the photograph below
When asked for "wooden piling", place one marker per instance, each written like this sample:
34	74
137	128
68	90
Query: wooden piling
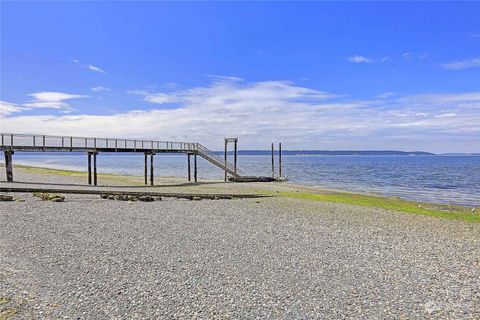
273	161
90	168
280	160
151	169
146	168
235	157
94	168
225	157
188	165
9	165
195	167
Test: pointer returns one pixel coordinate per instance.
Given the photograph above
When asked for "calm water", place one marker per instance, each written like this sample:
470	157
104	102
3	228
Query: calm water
443	179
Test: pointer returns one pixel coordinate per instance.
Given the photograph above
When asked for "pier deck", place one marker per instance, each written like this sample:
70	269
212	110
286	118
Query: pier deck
11	143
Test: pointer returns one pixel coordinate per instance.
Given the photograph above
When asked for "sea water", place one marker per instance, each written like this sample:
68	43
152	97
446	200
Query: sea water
441	179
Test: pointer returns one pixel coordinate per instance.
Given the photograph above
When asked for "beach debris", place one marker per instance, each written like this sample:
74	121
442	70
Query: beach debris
4	197
146	198
151	198
131	198
53	197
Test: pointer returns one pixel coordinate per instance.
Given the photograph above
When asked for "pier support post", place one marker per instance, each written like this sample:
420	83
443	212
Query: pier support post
9	165
273	161
90	168
146	168
188	167
151	169
235	156
225	156
279	159
195	167
94	168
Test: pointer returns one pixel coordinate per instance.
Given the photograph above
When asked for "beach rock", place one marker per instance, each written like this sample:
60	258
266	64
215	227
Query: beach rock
146	198
104	196
5	198
49	196
110	197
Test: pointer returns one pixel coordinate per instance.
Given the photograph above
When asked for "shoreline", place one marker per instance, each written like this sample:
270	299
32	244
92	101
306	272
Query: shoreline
387	179
44	175
435	195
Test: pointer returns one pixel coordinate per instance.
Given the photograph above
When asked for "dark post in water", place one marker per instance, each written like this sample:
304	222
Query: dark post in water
9	165
279	159
89	168
195	167
94	168
151	169
273	161
146	168
235	156
225	157
188	165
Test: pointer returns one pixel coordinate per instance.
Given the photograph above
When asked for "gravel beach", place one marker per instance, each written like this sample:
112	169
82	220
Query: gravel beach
269	258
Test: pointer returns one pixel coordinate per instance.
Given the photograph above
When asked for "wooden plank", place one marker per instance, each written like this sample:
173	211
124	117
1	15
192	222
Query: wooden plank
157	194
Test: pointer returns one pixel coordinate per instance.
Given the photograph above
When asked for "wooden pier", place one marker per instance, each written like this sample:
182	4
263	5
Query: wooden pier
11	143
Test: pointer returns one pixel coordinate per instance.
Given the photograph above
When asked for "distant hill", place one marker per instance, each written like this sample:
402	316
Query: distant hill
460	154
334	153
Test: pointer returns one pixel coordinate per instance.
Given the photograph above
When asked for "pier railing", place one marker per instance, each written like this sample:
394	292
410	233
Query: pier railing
30	142
25	141
216	159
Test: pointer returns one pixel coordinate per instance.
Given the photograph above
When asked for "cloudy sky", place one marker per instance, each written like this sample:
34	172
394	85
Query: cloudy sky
402	76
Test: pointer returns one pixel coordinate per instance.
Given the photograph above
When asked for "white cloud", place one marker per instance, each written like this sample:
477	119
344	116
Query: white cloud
385	95
95	69
8	108
262	112
100	89
360	59
51	100
462	64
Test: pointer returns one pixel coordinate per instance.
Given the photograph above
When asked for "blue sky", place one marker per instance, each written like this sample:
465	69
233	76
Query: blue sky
341	75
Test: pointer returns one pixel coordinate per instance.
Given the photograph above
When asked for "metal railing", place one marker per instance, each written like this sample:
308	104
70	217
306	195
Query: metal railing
70	142
216	159
49	142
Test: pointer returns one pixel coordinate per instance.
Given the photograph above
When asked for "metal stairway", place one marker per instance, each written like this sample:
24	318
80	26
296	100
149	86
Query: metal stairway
213	158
